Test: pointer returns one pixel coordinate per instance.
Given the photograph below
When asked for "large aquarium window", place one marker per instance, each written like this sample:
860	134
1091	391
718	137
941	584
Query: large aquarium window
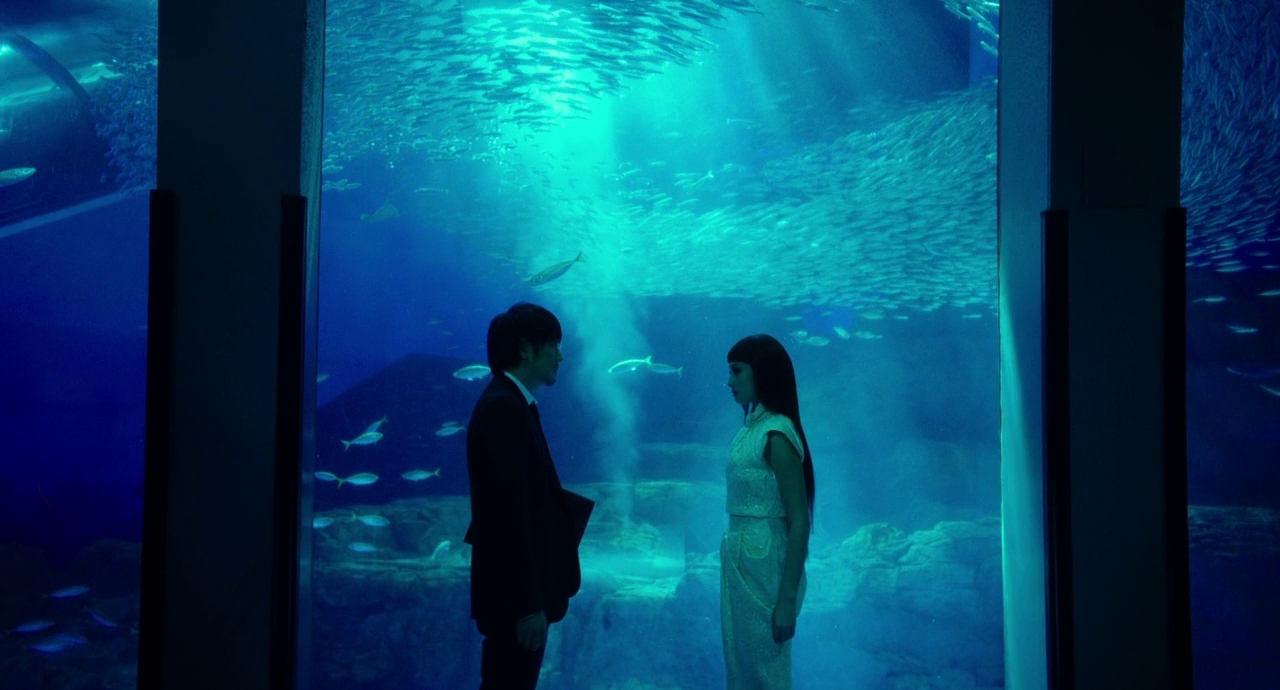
667	177
1230	168
77	145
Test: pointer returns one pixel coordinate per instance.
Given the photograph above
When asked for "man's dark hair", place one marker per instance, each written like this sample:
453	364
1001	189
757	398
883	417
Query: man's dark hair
522	323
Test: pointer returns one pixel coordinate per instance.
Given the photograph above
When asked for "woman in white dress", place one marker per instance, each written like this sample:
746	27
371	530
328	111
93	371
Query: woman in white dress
770	504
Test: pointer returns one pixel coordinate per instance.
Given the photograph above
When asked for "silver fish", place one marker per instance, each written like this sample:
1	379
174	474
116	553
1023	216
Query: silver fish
372	520
68	592
361	479
362	547
419	475
34	626
631	364
550	273
474	372
102	620
449	430
368	438
15	175
52	645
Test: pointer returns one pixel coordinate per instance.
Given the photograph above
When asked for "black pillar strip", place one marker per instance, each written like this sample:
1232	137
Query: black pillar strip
1059	617
162	270
291	361
1175	446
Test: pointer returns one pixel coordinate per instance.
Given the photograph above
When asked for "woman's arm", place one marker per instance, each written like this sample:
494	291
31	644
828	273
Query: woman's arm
788	466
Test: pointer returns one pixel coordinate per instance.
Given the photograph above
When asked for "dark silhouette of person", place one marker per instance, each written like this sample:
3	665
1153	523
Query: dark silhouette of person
525	527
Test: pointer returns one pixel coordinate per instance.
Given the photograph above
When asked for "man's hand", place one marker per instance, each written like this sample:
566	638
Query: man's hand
531	631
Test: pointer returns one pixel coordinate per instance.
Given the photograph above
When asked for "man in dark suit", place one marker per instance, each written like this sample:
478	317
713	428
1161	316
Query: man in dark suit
525	527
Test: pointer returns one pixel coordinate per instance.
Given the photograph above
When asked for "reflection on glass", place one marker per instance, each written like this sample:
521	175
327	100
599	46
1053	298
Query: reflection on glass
1231	161
667	177
77	136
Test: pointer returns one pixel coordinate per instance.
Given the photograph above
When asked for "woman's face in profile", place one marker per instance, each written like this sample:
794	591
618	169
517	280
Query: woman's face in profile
741	383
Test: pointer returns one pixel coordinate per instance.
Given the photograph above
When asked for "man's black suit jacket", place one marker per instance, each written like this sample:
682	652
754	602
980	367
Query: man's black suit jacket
525	527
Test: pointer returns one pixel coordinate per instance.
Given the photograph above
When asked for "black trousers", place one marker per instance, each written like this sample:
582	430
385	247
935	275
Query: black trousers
504	663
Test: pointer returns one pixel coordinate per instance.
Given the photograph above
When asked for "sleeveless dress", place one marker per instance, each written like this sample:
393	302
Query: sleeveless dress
751	559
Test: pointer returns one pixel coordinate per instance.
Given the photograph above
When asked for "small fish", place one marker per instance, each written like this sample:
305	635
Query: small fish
327	477
844	334
321	521
631	364
368	438
321	378
1242	329
33	626
440	548
817	340
362	479
68	592
374	427
550	273
102	620
1212	299
867	335
15	175
331	169
51	646
1255	372
362	547
1269	389
1269	293
371	520
474	372
658	368
449	430
419	475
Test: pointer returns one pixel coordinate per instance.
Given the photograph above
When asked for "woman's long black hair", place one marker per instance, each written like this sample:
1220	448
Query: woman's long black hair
775	383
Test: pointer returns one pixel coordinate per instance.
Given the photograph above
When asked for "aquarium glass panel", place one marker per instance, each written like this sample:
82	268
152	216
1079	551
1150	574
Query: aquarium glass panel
77	152
666	177
1230	168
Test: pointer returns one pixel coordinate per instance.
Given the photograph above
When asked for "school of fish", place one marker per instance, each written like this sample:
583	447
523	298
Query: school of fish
890	207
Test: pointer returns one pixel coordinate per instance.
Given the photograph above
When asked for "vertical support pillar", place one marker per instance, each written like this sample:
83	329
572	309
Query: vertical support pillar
1090	135
231	390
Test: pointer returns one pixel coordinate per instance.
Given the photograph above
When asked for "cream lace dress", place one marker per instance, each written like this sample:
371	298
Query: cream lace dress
751	559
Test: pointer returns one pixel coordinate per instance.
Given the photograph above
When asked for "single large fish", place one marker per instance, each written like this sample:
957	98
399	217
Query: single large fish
47	64
473	372
549	274
15	175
